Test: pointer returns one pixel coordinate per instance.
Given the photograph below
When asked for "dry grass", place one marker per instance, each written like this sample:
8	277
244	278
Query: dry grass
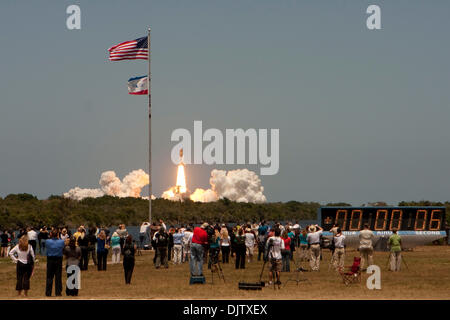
428	277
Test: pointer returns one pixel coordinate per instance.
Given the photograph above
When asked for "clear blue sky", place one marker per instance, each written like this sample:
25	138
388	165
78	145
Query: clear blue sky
363	115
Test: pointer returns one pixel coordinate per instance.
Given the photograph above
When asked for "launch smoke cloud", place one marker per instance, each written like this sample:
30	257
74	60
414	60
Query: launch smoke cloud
237	150
240	185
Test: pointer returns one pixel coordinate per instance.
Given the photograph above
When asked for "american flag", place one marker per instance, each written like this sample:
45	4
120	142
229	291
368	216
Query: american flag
129	50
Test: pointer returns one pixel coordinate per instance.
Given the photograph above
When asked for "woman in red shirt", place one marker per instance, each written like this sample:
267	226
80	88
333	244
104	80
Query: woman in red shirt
286	252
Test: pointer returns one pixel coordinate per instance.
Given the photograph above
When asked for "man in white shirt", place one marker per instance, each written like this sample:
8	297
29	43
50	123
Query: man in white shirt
339	249
32	238
186	244
313	239
142	233
274	245
250	241
365	246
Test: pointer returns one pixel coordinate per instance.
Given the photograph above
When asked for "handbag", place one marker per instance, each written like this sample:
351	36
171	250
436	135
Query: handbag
30	260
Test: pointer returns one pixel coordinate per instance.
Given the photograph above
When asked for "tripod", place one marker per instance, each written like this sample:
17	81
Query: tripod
403	260
217	268
298	271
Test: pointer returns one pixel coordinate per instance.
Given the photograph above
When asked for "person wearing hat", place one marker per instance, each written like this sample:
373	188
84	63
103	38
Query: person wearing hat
395	243
314	244
199	239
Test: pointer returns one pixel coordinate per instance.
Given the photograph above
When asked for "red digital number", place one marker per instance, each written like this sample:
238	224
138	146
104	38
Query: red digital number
437	220
384	213
338	218
358	227
398	219
423	218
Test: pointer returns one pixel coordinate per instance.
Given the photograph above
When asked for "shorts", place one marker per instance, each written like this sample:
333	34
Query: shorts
275	265
250	251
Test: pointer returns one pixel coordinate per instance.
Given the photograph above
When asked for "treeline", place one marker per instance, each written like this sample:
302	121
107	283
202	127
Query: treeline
20	210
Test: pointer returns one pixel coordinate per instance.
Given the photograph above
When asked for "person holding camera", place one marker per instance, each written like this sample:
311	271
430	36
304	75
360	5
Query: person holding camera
250	240
395	244
286	252
366	237
178	237
161	239
199	239
339	249
129	249
240	249
102	251
187	238
72	252
274	246
54	253
214	248
313	238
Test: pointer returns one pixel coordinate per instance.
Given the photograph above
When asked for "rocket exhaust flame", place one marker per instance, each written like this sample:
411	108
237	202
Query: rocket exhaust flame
181	179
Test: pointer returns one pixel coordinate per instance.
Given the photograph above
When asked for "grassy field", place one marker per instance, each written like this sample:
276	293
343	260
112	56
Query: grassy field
428	277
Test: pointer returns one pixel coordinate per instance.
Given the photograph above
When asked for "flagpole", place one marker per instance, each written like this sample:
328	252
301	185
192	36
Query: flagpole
150	172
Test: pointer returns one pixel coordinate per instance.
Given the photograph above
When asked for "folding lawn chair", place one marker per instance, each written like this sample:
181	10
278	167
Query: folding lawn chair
353	273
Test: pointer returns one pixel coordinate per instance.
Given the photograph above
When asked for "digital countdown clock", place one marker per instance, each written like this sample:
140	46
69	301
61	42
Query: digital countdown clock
416	225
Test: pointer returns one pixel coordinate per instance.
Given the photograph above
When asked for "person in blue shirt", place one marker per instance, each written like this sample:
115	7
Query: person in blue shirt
102	251
303	238
262	230
54	248
214	248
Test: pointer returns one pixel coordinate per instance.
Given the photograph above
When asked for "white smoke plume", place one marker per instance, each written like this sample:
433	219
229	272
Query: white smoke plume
201	195
239	185
111	185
